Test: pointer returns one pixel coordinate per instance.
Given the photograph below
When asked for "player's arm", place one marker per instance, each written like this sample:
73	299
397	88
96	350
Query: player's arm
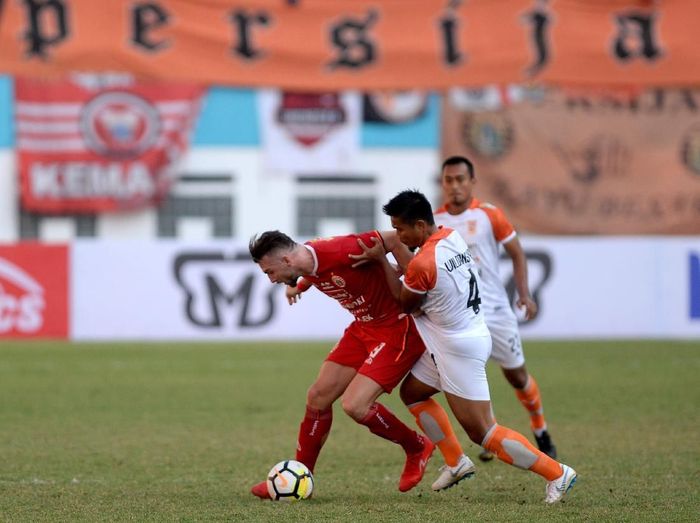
388	241
392	244
517	256
293	294
410	301
377	253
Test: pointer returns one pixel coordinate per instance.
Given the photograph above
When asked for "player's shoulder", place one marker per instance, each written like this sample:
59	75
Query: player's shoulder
423	259
489	206
494	213
442	210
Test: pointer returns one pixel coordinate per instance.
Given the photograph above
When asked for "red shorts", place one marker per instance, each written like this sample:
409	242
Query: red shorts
383	353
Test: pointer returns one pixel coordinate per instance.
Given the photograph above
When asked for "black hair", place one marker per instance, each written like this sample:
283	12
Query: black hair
456	160
267	242
409	207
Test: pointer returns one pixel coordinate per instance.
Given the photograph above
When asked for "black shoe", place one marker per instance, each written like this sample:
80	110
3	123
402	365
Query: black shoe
544	443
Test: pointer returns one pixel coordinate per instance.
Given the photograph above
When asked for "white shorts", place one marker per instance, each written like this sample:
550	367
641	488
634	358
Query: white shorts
507	348
456	364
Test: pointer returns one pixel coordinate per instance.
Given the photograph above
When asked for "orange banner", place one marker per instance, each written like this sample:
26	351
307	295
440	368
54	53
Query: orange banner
365	44
565	163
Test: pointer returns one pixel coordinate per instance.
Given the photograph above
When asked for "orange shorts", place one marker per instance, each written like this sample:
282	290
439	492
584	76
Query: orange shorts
383	353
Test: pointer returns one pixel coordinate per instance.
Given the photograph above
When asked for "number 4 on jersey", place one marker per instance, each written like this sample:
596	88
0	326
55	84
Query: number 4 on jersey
474	300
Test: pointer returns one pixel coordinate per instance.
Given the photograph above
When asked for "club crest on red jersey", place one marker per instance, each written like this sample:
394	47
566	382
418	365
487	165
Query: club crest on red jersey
338	281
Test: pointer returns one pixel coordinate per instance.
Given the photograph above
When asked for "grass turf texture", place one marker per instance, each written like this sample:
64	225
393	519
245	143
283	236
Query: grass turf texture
155	432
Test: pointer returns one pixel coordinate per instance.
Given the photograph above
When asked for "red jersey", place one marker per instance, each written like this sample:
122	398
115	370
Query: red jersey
362	290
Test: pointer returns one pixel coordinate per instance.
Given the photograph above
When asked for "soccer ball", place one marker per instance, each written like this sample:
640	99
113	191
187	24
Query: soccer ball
290	480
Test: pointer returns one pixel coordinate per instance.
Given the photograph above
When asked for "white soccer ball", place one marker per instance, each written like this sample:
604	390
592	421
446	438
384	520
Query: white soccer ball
290	480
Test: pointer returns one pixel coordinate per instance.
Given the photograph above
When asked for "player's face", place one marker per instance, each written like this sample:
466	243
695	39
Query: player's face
411	235
279	269
457	185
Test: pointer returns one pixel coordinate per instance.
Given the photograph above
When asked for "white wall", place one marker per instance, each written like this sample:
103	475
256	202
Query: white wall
8	197
597	288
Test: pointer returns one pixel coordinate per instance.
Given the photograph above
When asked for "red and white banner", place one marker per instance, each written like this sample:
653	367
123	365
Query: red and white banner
100	143
311	133
34	293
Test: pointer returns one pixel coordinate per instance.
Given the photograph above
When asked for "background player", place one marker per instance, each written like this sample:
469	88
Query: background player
484	227
441	281
374	354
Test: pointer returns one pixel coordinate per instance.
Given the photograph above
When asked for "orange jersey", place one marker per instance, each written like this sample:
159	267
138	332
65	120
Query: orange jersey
484	227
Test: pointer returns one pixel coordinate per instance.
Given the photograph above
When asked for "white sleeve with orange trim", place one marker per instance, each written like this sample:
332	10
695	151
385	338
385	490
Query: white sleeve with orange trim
503	230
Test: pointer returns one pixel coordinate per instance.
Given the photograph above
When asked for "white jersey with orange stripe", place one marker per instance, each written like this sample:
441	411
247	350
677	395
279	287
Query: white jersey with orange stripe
484	227
444	271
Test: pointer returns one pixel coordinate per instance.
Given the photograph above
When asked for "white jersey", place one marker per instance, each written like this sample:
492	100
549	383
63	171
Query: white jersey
443	270
484	227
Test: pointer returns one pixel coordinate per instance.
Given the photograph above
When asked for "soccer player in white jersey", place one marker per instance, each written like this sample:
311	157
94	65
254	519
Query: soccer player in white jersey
442	282
485	228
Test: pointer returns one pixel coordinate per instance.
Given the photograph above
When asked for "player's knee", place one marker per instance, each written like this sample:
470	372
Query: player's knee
517	377
318	397
409	394
354	408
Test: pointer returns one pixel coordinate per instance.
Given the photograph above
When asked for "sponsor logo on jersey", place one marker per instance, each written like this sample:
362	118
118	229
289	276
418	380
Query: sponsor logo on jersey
339	282
458	260
374	352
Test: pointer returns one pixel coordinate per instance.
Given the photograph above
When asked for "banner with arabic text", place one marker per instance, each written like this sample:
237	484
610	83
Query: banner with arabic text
569	163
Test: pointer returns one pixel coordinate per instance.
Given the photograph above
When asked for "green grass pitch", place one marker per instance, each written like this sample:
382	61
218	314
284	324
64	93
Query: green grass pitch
159	432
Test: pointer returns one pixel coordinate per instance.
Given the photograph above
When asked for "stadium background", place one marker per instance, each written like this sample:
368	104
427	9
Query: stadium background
139	427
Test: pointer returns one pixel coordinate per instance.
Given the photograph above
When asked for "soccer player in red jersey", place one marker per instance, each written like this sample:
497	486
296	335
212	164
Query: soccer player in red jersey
374	354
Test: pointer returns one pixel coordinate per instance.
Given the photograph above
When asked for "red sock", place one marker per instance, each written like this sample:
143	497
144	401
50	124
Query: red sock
313	432
382	422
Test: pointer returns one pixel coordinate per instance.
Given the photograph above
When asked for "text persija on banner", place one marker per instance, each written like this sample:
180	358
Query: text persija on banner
565	163
97	143
363	44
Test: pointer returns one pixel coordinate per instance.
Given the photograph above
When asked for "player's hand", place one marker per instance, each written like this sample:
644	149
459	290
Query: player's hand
375	252
528	306
293	294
